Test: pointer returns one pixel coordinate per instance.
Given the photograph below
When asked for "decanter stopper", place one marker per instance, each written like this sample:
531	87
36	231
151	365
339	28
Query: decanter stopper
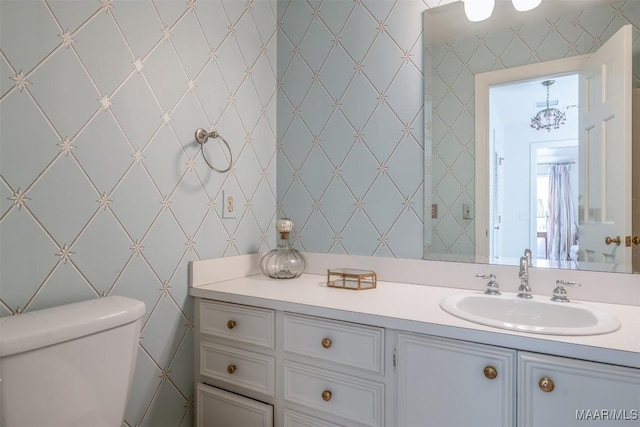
284	226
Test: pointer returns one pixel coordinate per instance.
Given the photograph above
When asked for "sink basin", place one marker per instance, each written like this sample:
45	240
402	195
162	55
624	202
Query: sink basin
537	315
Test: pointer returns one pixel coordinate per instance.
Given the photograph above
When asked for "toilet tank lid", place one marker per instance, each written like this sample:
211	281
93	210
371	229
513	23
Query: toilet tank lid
41	328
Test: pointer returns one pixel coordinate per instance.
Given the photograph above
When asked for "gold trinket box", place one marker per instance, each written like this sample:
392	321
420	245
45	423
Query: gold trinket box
351	278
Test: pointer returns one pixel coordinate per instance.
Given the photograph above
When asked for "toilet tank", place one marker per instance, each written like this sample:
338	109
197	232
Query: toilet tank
70	365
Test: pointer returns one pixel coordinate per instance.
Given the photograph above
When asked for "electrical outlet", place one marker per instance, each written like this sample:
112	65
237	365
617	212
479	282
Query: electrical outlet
228	205
466	211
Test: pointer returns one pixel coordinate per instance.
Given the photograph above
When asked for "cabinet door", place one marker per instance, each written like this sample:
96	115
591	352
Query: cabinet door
452	383
560	392
219	408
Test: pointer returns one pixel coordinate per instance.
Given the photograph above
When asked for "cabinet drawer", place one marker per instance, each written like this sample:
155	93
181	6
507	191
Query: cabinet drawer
246	369
561	392
241	323
351	398
296	419
338	342
219	408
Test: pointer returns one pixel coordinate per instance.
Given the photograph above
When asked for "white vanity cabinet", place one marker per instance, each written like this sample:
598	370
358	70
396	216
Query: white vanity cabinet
443	382
264	366
560	392
235	365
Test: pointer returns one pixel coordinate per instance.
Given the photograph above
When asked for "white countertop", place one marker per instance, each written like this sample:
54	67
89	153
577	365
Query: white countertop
415	308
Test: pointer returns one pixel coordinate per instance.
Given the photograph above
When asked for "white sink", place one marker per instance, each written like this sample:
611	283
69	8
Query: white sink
538	315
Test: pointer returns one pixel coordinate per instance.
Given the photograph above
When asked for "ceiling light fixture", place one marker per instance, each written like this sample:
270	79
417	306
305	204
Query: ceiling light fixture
525	5
549	118
479	10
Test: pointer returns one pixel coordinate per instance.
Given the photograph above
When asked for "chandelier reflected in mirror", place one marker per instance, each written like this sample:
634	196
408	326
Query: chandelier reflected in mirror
550	117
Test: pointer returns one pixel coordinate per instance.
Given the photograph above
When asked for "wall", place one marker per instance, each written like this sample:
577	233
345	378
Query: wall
351	126
103	189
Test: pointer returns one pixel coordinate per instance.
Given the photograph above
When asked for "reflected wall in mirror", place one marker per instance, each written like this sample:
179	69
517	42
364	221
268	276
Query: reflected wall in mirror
455	53
350	125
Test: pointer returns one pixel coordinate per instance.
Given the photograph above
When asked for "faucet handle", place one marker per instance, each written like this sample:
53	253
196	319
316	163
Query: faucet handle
560	293
492	285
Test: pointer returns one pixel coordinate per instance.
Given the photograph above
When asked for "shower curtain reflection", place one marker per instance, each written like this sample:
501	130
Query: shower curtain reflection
563	228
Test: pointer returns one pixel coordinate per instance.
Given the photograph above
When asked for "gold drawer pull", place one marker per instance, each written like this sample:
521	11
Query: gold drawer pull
326	395
231	369
546	384
231	324
326	342
490	372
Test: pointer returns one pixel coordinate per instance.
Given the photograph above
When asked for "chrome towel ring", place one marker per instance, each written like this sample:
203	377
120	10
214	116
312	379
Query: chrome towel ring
202	136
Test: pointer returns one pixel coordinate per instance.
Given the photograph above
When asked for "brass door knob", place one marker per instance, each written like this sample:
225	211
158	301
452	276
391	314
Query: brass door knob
610	240
326	395
326	342
490	372
546	384
231	369
628	240
231	324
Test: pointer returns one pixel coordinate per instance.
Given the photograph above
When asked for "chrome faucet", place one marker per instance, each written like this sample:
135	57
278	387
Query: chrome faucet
524	291
559	293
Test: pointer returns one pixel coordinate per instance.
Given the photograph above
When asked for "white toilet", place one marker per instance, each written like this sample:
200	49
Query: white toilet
70	365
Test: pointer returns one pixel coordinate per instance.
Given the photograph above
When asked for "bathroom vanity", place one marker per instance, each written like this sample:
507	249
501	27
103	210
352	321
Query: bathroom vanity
297	353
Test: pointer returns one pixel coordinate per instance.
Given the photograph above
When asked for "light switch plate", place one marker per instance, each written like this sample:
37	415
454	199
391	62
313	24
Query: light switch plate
228	205
466	211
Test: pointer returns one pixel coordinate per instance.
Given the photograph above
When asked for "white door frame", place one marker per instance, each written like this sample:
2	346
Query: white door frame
635	152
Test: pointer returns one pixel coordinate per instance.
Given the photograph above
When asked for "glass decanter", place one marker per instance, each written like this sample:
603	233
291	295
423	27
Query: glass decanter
283	262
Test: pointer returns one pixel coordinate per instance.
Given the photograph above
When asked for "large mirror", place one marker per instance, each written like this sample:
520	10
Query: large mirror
500	175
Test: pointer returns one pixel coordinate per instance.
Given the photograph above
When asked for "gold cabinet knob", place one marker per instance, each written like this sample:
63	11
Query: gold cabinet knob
231	369
610	240
231	324
326	395
546	384
326	342
490	372
635	240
